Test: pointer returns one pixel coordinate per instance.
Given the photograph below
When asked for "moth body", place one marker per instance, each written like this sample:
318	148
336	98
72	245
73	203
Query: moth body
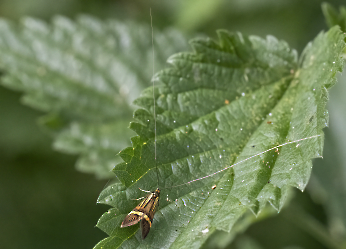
144	213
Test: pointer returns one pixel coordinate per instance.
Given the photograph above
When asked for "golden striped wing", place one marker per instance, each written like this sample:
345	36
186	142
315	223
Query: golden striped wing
143	212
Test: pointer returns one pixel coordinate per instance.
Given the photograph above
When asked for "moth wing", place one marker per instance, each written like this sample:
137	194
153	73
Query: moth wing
145	227
131	219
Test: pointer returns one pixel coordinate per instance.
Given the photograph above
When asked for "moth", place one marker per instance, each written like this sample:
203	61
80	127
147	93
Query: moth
144	213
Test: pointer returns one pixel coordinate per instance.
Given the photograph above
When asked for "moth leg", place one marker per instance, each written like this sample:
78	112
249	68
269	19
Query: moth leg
144	190
138	198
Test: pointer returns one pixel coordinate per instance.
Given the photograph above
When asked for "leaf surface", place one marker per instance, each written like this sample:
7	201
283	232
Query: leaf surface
217	106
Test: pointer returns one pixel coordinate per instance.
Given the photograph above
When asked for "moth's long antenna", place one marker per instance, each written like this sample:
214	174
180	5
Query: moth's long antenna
153	79
258	154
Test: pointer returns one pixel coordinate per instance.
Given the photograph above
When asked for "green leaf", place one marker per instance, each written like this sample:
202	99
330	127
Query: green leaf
333	17
217	106
85	75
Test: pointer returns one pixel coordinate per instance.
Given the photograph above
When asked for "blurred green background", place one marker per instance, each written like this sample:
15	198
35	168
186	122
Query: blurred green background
46	203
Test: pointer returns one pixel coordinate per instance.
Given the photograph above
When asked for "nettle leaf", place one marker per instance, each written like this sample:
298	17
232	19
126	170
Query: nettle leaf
225	102
85	74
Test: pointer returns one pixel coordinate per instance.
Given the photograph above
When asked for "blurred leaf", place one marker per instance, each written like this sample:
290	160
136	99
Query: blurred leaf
194	13
218	106
310	225
333	17
221	239
85	74
248	243
328	185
